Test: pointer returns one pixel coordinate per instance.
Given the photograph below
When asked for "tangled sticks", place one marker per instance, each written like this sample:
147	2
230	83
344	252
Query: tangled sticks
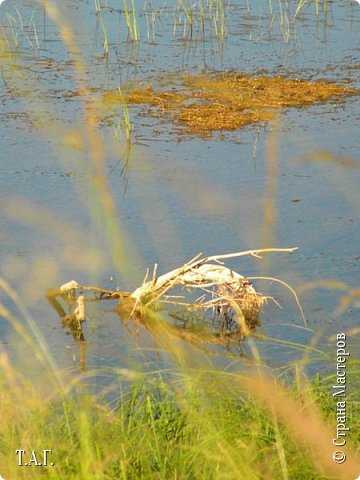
226	300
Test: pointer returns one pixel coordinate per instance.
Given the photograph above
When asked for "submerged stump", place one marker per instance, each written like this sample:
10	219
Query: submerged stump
202	301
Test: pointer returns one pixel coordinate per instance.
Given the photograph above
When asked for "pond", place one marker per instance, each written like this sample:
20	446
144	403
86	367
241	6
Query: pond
161	194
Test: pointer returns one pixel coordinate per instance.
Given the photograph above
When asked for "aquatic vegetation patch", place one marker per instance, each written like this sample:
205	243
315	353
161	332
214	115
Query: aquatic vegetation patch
203	104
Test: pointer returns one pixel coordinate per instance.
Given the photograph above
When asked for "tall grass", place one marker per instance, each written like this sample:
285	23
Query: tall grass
320	6
106	46
197	423
131	20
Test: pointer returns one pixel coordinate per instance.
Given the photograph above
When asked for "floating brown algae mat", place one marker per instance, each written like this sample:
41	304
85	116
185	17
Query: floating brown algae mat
203	104
145	95
226	306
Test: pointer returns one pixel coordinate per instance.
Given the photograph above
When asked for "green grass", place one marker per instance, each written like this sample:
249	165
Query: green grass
188	429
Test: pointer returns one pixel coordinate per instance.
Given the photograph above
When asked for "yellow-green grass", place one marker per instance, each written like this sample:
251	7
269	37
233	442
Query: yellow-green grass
195	425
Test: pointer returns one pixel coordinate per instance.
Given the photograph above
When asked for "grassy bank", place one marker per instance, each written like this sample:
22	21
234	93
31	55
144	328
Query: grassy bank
195	425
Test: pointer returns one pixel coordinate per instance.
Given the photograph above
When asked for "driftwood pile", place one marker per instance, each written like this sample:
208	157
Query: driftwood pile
226	301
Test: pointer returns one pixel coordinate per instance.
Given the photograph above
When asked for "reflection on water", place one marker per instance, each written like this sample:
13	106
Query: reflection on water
183	195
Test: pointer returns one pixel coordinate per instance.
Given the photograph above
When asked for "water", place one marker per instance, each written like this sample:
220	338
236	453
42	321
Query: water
180	194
